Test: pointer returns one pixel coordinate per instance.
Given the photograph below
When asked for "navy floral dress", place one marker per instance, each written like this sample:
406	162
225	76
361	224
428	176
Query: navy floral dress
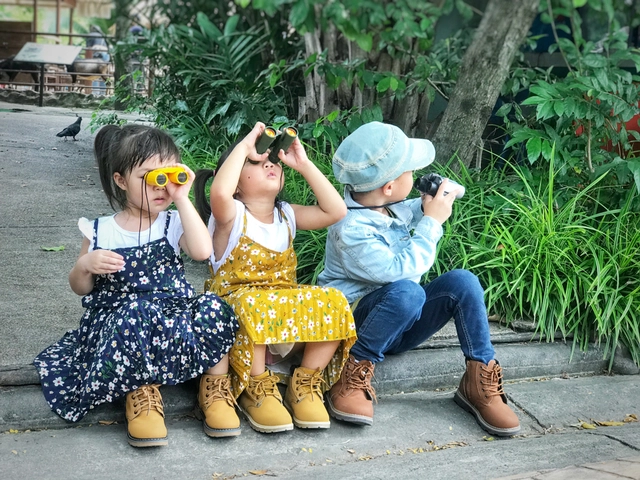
142	325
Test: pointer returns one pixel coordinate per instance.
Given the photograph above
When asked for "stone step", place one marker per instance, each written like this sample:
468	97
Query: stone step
422	369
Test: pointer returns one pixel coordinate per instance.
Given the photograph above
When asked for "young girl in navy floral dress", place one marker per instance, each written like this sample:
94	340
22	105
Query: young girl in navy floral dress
143	326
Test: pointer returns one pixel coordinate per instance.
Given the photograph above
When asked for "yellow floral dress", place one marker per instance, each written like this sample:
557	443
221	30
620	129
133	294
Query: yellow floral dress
260	285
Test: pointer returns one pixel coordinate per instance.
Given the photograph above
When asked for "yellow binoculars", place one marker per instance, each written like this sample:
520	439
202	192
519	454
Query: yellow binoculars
161	176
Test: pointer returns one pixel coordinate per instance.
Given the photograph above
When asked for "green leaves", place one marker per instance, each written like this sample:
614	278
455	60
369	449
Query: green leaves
52	249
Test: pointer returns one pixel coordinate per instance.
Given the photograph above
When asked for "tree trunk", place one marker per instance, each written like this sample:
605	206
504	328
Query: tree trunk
483	71
119	62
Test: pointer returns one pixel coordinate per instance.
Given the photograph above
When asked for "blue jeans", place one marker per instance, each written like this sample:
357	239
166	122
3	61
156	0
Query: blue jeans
401	315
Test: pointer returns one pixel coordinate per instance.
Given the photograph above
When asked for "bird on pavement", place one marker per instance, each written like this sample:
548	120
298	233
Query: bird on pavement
71	131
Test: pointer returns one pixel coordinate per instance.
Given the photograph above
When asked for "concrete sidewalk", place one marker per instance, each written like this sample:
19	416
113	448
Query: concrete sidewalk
48	183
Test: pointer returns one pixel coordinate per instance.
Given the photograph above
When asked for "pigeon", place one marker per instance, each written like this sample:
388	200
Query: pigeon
71	131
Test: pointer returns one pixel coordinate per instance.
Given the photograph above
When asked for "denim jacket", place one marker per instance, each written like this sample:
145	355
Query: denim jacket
367	250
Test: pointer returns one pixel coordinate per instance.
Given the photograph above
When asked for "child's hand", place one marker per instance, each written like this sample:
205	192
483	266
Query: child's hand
100	262
295	156
249	142
439	207
177	191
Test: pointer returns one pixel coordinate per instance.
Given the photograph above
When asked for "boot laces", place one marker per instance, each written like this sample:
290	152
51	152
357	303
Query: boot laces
309	385
147	397
216	389
358	377
491	380
265	387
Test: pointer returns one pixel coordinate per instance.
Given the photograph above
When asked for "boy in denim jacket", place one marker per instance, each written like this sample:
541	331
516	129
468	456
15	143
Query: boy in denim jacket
377	255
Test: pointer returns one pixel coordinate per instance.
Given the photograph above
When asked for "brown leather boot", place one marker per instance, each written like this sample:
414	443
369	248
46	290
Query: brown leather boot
145	417
351	397
304	399
480	393
216	406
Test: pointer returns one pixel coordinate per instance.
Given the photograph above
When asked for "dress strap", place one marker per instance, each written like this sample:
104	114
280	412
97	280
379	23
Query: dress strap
166	224
95	235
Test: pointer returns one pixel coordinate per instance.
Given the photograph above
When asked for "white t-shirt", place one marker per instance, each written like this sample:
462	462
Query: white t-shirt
274	236
111	235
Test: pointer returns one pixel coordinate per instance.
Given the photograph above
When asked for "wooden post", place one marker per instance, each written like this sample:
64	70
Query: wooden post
58	21
35	21
70	26
41	96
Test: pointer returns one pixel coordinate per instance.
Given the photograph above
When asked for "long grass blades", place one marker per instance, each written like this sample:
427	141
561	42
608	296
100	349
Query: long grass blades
556	256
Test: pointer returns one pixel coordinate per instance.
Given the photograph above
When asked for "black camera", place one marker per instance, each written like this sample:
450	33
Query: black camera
430	183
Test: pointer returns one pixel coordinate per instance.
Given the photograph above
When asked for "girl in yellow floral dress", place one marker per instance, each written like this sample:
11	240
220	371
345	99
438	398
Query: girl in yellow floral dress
254	270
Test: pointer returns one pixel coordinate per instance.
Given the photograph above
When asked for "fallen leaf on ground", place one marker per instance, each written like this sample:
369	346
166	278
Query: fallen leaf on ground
608	423
11	430
258	472
52	249
587	426
106	422
631	417
351	451
488	439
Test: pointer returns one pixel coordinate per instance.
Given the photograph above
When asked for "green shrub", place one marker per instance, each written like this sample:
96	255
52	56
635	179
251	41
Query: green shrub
569	265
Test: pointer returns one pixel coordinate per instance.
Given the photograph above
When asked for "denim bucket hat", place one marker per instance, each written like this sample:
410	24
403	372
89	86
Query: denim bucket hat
377	153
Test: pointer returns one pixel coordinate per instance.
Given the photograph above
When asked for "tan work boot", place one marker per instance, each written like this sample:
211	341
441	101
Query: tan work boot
304	399
216	406
351	397
145	417
480	393
261	403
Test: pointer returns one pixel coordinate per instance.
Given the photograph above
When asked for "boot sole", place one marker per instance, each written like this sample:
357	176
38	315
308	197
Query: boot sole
216	432
347	417
258	427
466	405
304	423
146	442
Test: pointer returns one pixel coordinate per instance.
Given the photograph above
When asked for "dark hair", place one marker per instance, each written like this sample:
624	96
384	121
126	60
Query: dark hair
203	206
121	149
200	184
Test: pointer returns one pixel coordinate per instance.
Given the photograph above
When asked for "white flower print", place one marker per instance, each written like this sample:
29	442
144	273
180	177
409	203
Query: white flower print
308	295
251	301
215	305
320	304
244	247
155	341
255	251
220	326
170	322
284	334
294	331
272	297
259	327
290	322
120	369
283	299
95	385
272	314
117	356
57	381
165	344
311	324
